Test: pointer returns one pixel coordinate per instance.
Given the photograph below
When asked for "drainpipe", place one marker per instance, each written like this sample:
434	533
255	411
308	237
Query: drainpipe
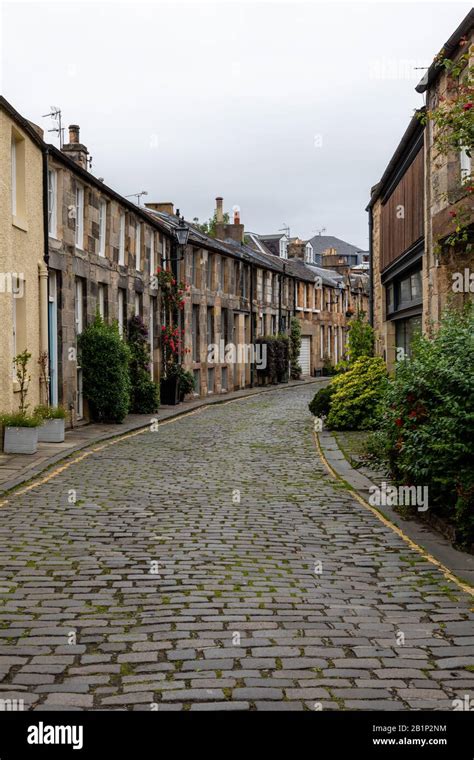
43	267
279	297
252	330
371	270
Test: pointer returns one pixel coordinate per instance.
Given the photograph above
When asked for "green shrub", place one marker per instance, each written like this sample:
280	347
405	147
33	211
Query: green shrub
144	394
20	419
276	367
295	348
185	379
426	434
50	412
360	341
357	395
104	358
321	403
328	367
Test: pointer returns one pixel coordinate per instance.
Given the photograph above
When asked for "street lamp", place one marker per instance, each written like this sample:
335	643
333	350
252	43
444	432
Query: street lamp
182	232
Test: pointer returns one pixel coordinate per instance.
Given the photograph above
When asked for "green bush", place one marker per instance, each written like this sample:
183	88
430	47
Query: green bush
276	368
144	394
357	395
185	379
360	341
104	358
295	348
321	403
50	412
20	419
426	434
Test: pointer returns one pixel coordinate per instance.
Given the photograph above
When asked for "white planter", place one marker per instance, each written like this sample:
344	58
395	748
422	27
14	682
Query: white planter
51	431
20	440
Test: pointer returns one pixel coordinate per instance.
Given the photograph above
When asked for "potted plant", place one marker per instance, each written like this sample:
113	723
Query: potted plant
20	433
169	387
186	382
21	428
53	418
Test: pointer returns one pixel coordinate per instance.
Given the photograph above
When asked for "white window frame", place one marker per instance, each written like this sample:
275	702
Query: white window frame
152	253
79	233
466	165
309	253
121	310
138	246
329	337
121	259
52	203
101	299
102	227
321	341
79	305
13	177
137	304
283	248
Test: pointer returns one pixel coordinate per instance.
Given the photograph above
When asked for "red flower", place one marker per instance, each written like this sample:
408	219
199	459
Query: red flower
467	106
399	422
453	214
412	415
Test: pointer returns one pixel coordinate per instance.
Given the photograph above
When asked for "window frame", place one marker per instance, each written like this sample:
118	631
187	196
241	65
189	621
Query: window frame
102	227
79	227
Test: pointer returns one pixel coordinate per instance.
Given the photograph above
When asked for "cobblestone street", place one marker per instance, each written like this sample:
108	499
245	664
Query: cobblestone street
215	564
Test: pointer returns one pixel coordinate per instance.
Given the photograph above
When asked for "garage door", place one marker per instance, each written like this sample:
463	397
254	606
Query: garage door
305	356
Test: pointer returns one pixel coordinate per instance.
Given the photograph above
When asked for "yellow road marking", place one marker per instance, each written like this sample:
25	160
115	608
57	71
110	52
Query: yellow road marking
412	544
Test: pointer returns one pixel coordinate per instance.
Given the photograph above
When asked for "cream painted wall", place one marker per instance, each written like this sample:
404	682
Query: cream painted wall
21	252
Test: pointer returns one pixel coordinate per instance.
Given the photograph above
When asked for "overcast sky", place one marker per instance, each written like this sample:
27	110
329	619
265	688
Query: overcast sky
289	110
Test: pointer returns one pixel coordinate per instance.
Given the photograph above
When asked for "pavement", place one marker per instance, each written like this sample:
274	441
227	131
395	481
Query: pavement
213	563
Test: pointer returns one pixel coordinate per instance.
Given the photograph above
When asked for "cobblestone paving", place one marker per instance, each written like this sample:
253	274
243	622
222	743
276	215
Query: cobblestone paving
296	598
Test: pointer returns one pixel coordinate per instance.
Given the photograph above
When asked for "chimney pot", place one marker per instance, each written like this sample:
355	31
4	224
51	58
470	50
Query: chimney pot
74	133
219	209
236	217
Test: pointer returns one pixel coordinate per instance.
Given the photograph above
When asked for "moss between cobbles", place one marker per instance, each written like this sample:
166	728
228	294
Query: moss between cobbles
127	669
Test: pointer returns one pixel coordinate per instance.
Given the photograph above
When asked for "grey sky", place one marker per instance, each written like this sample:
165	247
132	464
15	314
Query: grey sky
289	110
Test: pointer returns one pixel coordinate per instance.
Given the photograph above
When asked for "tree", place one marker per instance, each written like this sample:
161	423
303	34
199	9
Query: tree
209	227
361	338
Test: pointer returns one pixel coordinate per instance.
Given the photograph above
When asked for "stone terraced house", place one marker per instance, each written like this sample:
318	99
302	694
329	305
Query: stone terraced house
95	251
412	213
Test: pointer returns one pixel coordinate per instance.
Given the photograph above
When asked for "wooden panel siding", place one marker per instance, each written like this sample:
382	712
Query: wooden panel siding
402	214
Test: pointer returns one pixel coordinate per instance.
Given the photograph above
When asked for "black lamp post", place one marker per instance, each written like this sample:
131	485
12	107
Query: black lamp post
181	235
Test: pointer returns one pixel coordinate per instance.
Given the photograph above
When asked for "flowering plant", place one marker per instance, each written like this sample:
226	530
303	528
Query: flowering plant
173	292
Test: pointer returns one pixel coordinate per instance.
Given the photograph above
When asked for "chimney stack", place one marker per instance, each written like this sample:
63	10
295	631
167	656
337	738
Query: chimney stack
226	231
219	210
165	207
73	133
74	149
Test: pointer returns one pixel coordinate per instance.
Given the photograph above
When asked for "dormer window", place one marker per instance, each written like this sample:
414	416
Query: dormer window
309	254
283	248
